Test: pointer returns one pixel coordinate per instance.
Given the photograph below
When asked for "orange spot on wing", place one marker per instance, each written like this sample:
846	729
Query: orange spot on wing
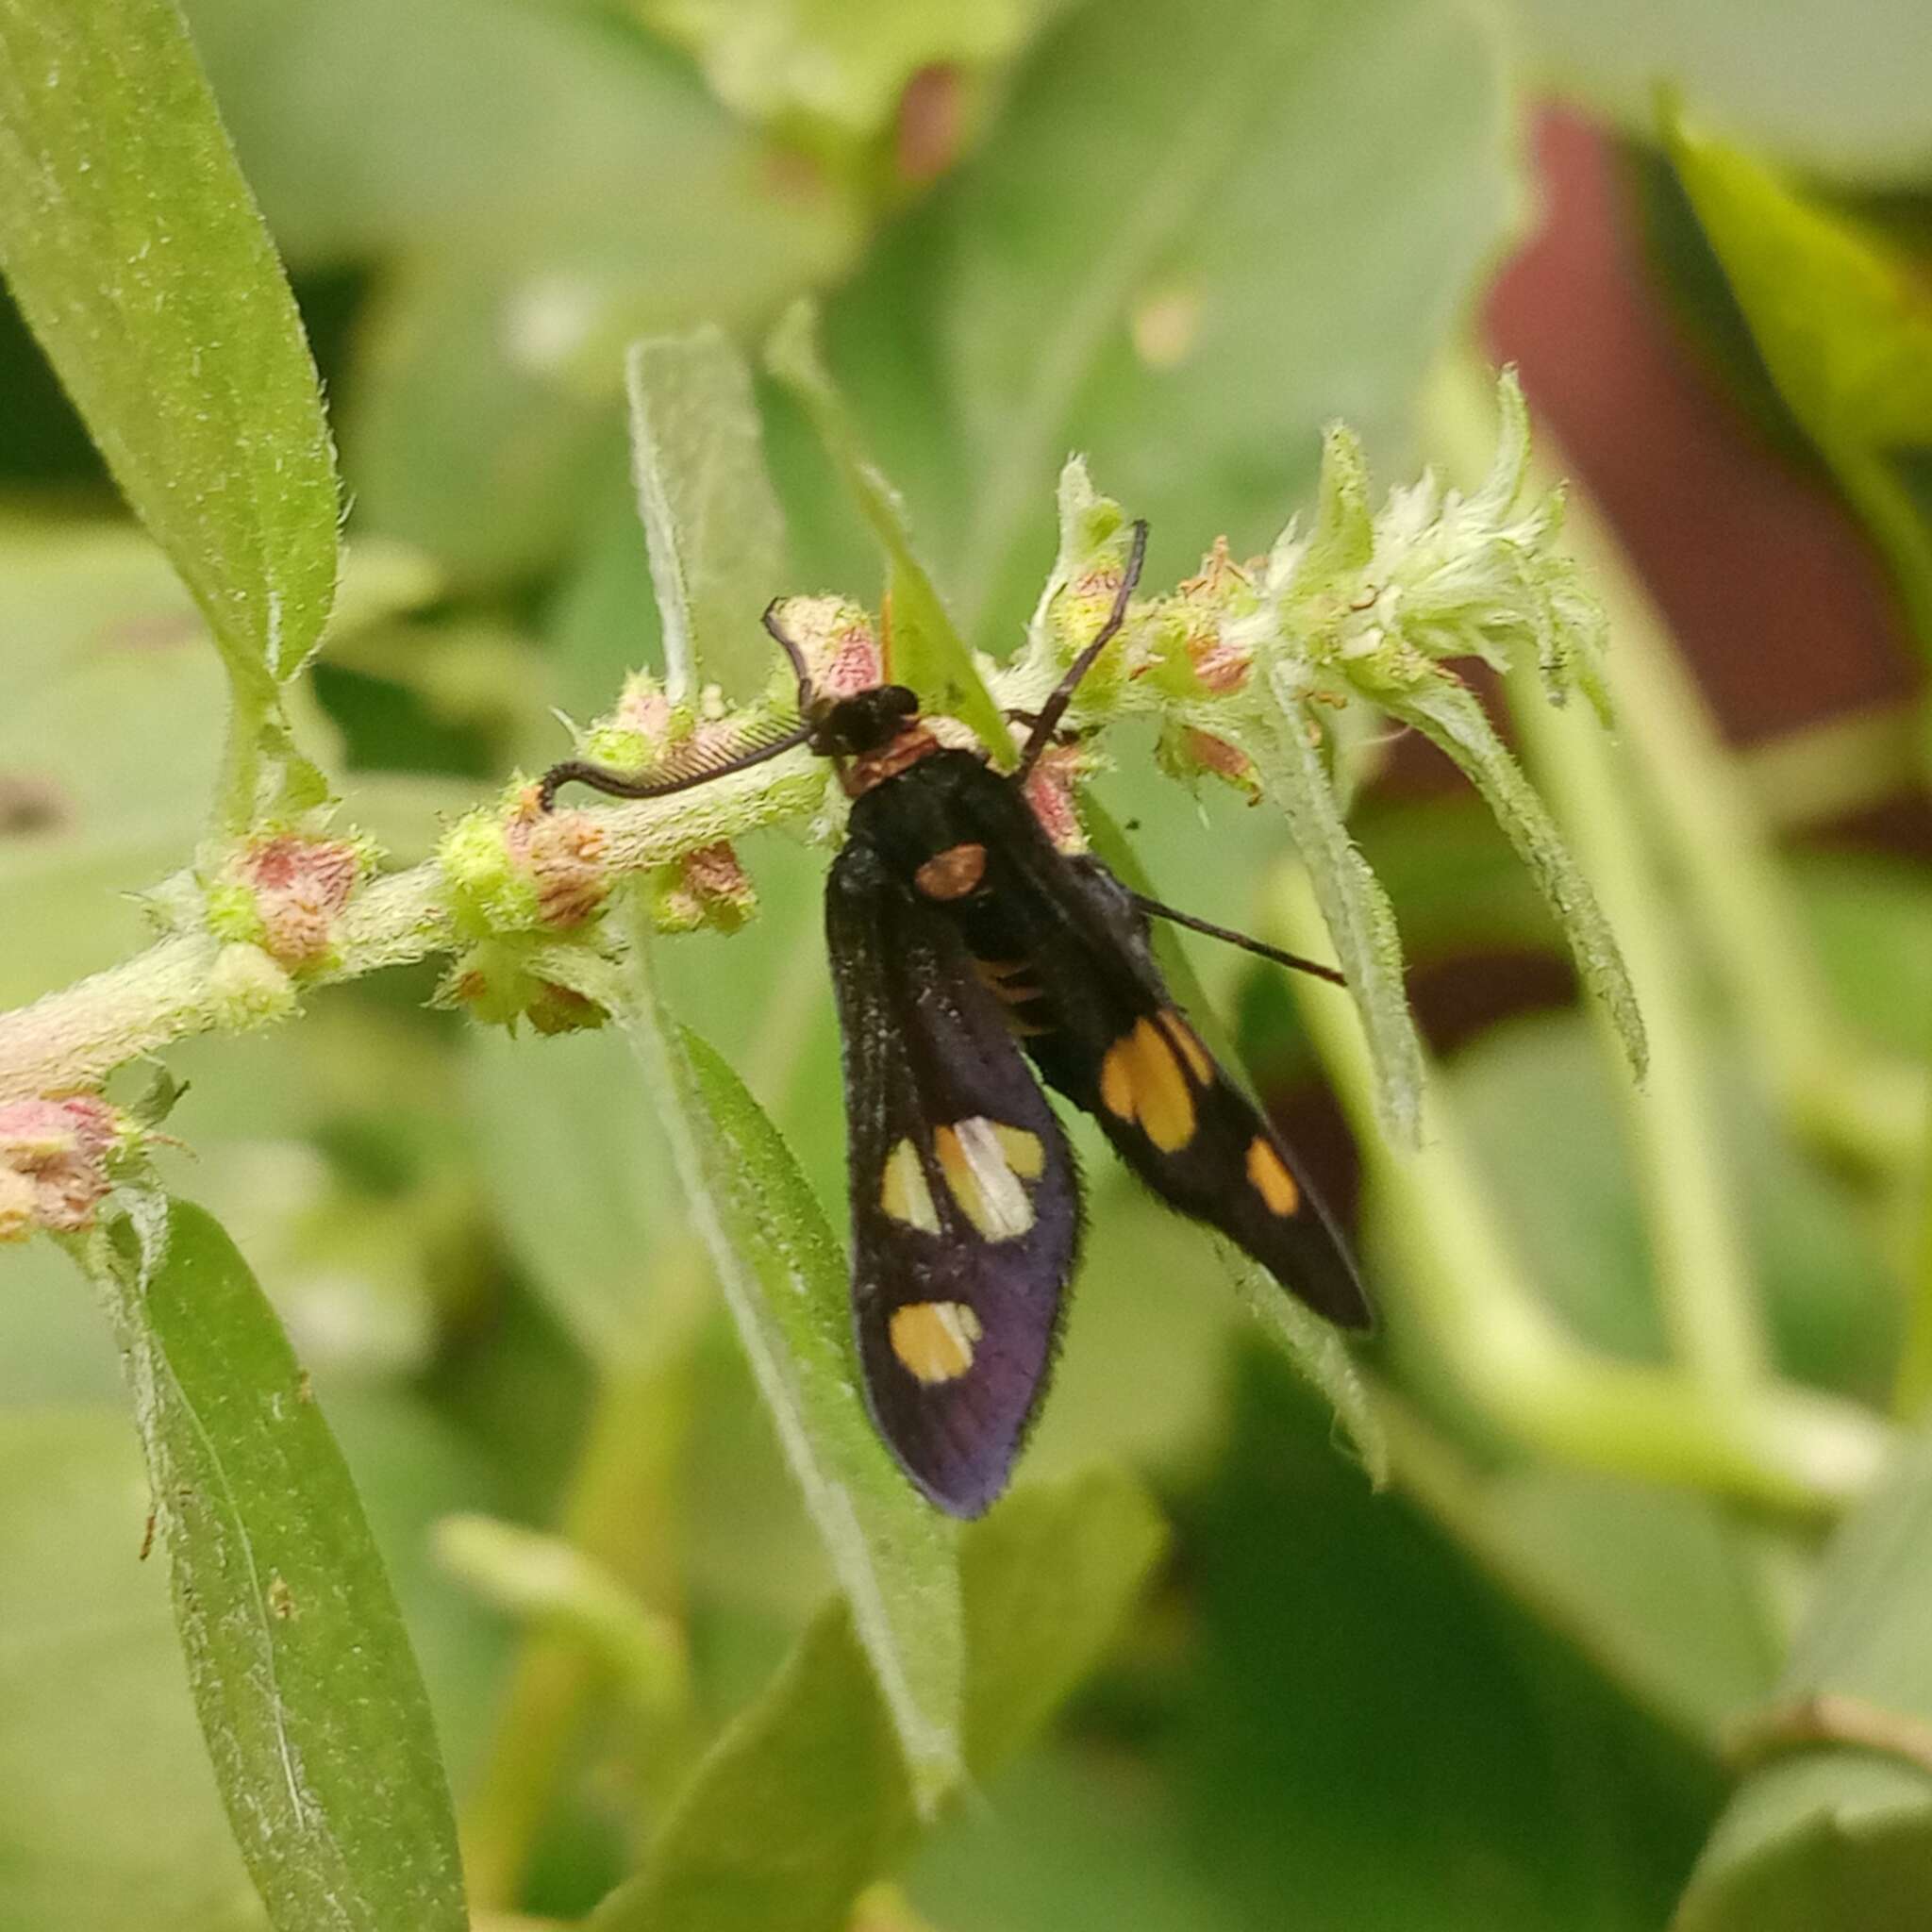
934	1340
1271	1179
951	873
1142	1080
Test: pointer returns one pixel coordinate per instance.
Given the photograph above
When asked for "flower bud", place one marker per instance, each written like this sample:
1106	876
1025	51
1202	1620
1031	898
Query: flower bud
493	983
705	887
54	1157
284	893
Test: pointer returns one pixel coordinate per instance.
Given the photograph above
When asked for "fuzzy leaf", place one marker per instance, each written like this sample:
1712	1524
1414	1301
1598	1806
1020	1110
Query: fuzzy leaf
136	252
1451	717
1355	911
715	532
784	1279
302	1673
925	649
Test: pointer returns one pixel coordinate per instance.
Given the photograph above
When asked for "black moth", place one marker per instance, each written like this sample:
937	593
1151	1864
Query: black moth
963	943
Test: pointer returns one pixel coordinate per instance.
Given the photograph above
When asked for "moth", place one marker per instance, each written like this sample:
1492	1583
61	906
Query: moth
973	960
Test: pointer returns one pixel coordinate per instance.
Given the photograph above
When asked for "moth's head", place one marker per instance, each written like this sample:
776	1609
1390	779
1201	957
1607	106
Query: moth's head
864	722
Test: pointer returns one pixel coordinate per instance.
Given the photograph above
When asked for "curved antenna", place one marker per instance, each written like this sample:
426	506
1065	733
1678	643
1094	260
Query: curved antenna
661	781
680	773
787	644
1047	721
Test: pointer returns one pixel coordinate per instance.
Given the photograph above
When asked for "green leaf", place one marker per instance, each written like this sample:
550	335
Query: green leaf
309	1697
1049	1577
138	256
803	1799
795	1808
925	649
1844	326
1451	717
1834	1832
1193	238
716	536
579	189
1352	1667
1360	920
784	1279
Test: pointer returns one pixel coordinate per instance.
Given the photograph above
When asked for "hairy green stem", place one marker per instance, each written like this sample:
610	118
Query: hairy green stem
182	986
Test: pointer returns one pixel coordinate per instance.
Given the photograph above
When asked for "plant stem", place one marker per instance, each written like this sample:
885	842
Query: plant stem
1709	1299
1775	1445
1737	892
75	1038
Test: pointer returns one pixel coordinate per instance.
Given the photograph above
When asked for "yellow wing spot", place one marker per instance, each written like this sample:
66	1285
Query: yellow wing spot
951	873
1141	1079
1199	1062
903	1191
1023	1152
1271	1179
984	1178
934	1340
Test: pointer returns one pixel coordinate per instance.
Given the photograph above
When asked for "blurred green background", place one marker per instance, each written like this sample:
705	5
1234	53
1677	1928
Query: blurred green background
1499	1695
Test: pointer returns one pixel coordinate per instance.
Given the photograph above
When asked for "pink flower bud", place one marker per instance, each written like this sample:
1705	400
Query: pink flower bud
299	887
60	1148
563	854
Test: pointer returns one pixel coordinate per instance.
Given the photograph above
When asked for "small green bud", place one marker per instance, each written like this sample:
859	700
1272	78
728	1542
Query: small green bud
493	983
247	988
488	891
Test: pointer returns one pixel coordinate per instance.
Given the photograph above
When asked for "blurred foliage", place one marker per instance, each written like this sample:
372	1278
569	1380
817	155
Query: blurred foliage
1517	1690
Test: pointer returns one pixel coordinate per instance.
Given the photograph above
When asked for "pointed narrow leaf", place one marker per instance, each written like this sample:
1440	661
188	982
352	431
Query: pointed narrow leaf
927	651
307	1693
783	1277
1355	908
793	1811
136	253
802	1801
715	532
1451	717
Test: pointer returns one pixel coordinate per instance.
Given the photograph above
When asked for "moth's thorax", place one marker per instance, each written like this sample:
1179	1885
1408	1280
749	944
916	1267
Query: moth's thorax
873	734
871	769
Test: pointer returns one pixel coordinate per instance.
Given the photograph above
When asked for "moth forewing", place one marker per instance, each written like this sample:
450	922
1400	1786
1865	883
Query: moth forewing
965	1202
